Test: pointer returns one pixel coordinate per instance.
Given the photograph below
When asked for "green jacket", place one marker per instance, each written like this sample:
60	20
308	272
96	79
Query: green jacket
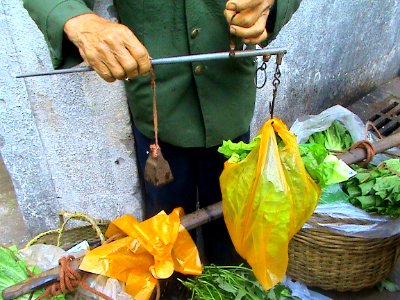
198	104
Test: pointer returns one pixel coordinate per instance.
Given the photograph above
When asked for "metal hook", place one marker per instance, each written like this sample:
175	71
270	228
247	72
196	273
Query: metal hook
262	68
275	83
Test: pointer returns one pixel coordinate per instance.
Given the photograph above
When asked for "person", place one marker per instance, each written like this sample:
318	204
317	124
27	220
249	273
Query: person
199	104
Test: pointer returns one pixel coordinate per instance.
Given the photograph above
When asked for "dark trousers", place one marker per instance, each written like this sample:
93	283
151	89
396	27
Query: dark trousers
196	173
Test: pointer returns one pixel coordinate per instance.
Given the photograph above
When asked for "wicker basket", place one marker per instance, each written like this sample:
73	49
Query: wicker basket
322	258
68	237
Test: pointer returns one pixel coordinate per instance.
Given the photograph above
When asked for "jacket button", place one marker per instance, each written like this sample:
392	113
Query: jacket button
198	70
194	33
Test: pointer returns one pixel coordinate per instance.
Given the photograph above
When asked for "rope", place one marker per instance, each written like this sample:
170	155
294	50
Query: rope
232	40
367	145
70	280
154	147
153	91
370	124
369	150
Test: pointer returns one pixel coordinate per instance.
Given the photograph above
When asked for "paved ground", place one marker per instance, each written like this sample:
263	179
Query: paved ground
13	230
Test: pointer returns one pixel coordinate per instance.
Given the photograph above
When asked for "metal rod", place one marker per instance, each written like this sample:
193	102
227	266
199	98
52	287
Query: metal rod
173	60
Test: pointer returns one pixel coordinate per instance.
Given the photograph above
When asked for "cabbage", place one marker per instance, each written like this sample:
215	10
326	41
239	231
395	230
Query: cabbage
335	138
14	270
323	167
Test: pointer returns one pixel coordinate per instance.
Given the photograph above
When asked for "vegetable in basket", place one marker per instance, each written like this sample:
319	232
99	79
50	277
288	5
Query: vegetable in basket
323	167
335	138
376	189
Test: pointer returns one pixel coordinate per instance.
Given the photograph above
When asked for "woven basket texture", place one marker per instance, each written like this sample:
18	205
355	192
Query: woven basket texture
72	236
330	260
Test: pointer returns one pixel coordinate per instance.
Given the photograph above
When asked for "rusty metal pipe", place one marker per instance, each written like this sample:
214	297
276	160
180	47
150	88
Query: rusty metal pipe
360	154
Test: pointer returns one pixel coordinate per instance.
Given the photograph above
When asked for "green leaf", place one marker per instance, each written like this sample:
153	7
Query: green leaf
386	185
232	282
335	138
389	285
323	167
393	165
366	187
367	201
227	287
333	194
236	152
240	295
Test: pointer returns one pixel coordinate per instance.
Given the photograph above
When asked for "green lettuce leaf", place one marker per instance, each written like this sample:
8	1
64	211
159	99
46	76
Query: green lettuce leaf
323	167
335	138
376	189
236	152
333	194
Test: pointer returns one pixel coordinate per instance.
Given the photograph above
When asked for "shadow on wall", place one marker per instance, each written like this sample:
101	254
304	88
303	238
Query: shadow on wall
12	226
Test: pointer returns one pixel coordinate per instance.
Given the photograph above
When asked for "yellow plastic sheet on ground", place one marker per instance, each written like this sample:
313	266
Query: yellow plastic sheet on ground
153	249
266	199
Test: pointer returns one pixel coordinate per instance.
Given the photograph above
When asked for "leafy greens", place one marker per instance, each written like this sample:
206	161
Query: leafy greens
232	282
14	270
323	167
335	138
376	189
236	152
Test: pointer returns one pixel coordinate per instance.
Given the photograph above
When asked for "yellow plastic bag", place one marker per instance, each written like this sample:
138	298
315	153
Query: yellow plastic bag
266	199
153	249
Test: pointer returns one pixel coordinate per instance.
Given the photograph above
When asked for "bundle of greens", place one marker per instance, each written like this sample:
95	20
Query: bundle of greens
323	167
376	189
236	152
14	270
232	282
335	138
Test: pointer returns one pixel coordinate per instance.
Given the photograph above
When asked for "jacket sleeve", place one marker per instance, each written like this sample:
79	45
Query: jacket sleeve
280	14
50	16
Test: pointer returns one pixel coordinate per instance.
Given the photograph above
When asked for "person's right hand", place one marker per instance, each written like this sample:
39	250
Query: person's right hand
111	49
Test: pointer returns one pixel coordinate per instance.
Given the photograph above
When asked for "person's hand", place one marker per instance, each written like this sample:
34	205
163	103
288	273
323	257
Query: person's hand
248	18
111	49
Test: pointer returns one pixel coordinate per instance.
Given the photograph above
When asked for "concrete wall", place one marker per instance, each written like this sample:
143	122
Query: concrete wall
66	140
338	50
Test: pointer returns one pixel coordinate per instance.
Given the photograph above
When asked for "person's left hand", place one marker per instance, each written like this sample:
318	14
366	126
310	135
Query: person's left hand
248	18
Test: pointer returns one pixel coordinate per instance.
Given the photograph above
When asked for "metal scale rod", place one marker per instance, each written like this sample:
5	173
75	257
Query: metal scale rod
174	60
